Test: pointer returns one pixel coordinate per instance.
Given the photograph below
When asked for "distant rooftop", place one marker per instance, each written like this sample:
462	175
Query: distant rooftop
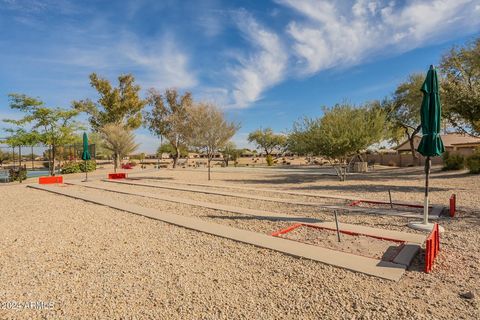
449	140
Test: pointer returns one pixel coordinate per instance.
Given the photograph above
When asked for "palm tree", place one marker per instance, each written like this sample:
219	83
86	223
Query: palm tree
120	141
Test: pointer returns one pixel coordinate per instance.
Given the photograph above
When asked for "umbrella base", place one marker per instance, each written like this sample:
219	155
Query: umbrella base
424	226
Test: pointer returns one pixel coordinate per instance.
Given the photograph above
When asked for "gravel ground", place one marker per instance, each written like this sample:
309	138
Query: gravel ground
93	262
240	221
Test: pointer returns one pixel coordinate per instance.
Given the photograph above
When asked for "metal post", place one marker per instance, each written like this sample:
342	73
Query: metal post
336	223
426	204
390	196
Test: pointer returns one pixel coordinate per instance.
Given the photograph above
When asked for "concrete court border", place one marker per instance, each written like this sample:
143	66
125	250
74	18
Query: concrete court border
389	212
374	267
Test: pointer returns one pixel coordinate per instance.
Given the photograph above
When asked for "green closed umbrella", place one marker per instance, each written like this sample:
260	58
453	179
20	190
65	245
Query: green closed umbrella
85	154
431	144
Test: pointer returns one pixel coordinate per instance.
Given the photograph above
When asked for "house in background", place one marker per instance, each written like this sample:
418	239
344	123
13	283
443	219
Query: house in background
454	142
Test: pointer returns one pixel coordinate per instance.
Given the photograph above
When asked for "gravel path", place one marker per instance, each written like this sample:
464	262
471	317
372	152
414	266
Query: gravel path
93	262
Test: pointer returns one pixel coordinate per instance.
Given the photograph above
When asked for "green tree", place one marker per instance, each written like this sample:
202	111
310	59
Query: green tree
230	153
301	139
51	126
170	150
267	140
461	87
119	141
210	131
121	105
343	131
169	118
19	137
4	156
403	111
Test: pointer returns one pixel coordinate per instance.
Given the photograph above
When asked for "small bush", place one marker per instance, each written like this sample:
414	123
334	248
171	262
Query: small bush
269	160
70	167
473	162
18	174
133	163
453	161
91	166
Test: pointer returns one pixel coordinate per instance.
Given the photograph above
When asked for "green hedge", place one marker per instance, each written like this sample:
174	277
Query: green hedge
453	161
473	162
91	166
70	167
77	167
17	174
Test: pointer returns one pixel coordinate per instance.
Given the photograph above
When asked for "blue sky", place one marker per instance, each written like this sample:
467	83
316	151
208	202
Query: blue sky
267	63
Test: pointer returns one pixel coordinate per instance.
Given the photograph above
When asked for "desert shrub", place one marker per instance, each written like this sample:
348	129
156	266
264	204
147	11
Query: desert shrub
46	164
269	160
70	167
453	161
19	174
473	162
133	163
91	166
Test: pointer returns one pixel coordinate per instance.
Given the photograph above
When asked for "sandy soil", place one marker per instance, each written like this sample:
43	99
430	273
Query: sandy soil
96	262
356	244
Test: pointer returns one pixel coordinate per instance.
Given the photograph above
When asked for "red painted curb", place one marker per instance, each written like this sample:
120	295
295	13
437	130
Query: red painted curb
50	180
432	248
121	175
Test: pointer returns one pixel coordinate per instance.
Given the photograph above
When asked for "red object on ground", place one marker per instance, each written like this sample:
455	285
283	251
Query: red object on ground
453	205
121	175
432	248
127	166
351	233
288	229
50	180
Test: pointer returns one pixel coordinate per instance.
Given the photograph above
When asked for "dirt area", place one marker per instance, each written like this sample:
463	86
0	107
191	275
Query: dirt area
357	244
95	262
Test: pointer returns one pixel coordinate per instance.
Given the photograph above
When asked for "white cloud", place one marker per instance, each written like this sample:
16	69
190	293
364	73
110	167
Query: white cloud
262	68
164	63
332	34
156	63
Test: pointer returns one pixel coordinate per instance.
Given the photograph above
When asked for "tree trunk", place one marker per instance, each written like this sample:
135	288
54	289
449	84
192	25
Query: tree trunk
20	157
208	168
175	156
53	161
411	138
115	162
20	164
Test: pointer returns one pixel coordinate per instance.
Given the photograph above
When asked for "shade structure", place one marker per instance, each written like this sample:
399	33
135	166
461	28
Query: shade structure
85	154
431	144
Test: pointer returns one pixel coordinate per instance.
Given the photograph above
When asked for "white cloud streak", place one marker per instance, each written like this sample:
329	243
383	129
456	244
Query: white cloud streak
332	34
262	68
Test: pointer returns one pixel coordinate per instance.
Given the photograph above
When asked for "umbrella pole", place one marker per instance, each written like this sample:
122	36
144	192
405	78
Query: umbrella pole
86	171
426	204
